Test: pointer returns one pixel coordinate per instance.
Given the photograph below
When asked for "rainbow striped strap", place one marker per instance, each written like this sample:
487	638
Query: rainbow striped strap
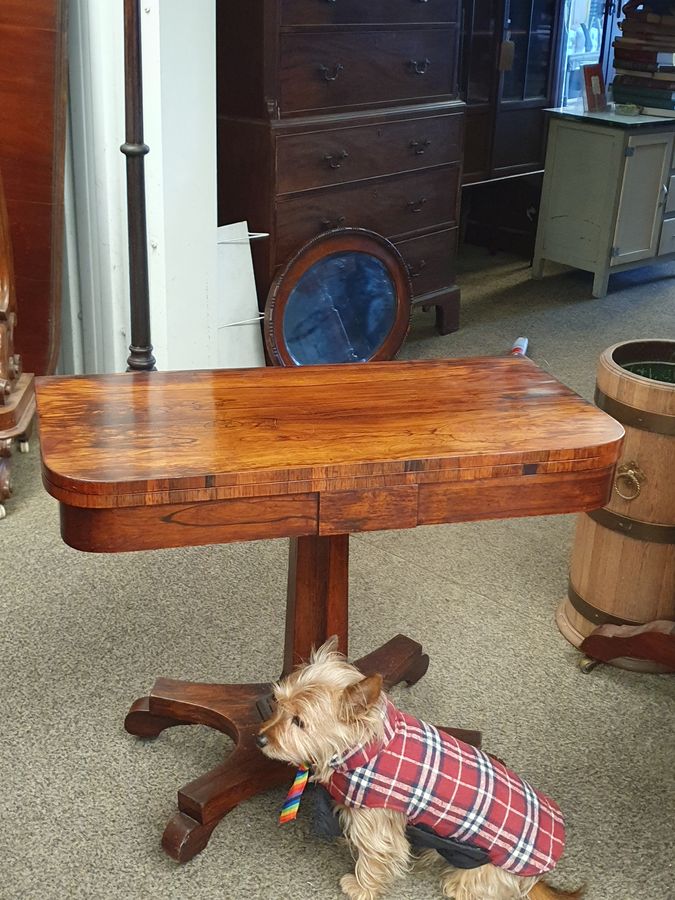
290	808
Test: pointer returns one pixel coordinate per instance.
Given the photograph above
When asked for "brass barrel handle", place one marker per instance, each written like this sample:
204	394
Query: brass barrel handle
629	479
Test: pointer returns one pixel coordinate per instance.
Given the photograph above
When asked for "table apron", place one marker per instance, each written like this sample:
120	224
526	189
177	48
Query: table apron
121	529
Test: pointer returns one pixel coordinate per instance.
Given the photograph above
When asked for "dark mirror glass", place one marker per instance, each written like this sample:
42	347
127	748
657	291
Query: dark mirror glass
340	311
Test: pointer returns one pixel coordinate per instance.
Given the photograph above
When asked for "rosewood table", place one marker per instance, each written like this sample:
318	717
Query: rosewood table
151	460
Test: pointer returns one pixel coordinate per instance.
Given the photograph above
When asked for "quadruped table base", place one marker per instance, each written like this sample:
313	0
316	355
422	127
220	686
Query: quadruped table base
317	610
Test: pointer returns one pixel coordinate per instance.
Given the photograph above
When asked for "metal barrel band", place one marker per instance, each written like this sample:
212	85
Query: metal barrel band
658	423
640	531
591	614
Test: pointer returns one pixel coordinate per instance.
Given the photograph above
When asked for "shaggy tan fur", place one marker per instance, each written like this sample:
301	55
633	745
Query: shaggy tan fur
325	708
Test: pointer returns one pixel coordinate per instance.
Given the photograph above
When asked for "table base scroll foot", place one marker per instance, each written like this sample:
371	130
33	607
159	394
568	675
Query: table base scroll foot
400	659
142	723
184	837
245	772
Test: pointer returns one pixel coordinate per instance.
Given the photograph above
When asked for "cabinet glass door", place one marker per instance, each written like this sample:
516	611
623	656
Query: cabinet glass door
527	50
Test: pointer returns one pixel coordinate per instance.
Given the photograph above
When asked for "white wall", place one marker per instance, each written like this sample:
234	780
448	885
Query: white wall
180	129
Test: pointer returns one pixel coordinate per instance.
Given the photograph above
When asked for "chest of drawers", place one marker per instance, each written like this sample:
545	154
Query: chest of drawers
343	112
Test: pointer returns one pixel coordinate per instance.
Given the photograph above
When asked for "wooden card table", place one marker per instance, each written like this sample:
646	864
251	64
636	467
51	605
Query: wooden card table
150	460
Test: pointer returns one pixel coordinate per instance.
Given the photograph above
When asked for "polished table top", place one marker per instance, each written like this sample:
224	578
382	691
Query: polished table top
393	444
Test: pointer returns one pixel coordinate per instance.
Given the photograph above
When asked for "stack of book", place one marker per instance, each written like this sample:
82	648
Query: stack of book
644	60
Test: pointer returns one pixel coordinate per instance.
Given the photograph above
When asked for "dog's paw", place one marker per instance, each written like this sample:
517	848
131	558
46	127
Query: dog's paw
352	889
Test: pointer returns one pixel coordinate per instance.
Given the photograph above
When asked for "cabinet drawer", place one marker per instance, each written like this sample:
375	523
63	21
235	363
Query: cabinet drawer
670	200
347	12
390	206
325	158
329	70
430	260
667	244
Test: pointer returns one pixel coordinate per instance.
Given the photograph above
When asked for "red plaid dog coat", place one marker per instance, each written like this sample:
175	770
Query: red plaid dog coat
453	789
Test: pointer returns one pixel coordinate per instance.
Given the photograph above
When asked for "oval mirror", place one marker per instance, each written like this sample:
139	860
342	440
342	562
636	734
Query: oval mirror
345	297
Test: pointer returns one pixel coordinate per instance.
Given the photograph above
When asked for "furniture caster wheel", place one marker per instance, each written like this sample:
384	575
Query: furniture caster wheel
3	511
24	446
587	665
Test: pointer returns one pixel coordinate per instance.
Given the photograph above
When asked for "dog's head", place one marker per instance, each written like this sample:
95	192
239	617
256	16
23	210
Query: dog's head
324	708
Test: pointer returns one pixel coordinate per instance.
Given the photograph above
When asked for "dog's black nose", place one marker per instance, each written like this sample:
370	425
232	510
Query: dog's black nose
261	741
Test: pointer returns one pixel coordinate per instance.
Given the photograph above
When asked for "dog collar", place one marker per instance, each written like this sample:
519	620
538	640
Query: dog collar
289	811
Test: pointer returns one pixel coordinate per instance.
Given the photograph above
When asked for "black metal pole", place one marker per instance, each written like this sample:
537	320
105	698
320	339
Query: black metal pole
140	355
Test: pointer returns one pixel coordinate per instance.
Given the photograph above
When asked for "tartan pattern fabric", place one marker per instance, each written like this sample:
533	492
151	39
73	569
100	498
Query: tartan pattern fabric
455	790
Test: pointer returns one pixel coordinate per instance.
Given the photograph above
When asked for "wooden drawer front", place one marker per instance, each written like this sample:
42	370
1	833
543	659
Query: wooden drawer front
188	524
347	12
327	70
343	512
391	206
324	158
430	260
667	244
498	498
670	201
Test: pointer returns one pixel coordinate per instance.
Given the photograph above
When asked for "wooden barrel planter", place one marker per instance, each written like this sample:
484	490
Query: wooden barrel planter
623	561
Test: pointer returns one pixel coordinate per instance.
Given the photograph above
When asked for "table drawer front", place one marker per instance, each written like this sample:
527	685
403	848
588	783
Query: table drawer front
348	12
350	69
667	244
430	260
506	497
391	206
325	158
348	512
188	524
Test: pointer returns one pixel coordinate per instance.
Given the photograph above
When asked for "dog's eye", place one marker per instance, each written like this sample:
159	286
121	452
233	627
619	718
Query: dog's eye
297	721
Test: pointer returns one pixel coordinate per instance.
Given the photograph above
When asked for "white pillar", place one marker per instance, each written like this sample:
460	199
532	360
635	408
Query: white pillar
180	129
179	79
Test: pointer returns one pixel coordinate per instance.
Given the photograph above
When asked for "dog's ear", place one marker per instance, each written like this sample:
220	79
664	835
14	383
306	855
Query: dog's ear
325	651
359	697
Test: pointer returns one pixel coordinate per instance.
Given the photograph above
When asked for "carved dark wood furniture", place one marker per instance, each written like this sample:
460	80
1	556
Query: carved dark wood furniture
508	78
33	82
653	642
313	453
343	113
17	389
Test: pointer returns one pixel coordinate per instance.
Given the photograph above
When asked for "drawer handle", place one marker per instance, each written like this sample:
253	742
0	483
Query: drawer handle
330	224
327	75
416	269
415	206
335	160
419	66
420	147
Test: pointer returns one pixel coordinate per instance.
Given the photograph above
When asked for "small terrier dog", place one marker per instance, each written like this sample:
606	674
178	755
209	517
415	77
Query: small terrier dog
386	770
